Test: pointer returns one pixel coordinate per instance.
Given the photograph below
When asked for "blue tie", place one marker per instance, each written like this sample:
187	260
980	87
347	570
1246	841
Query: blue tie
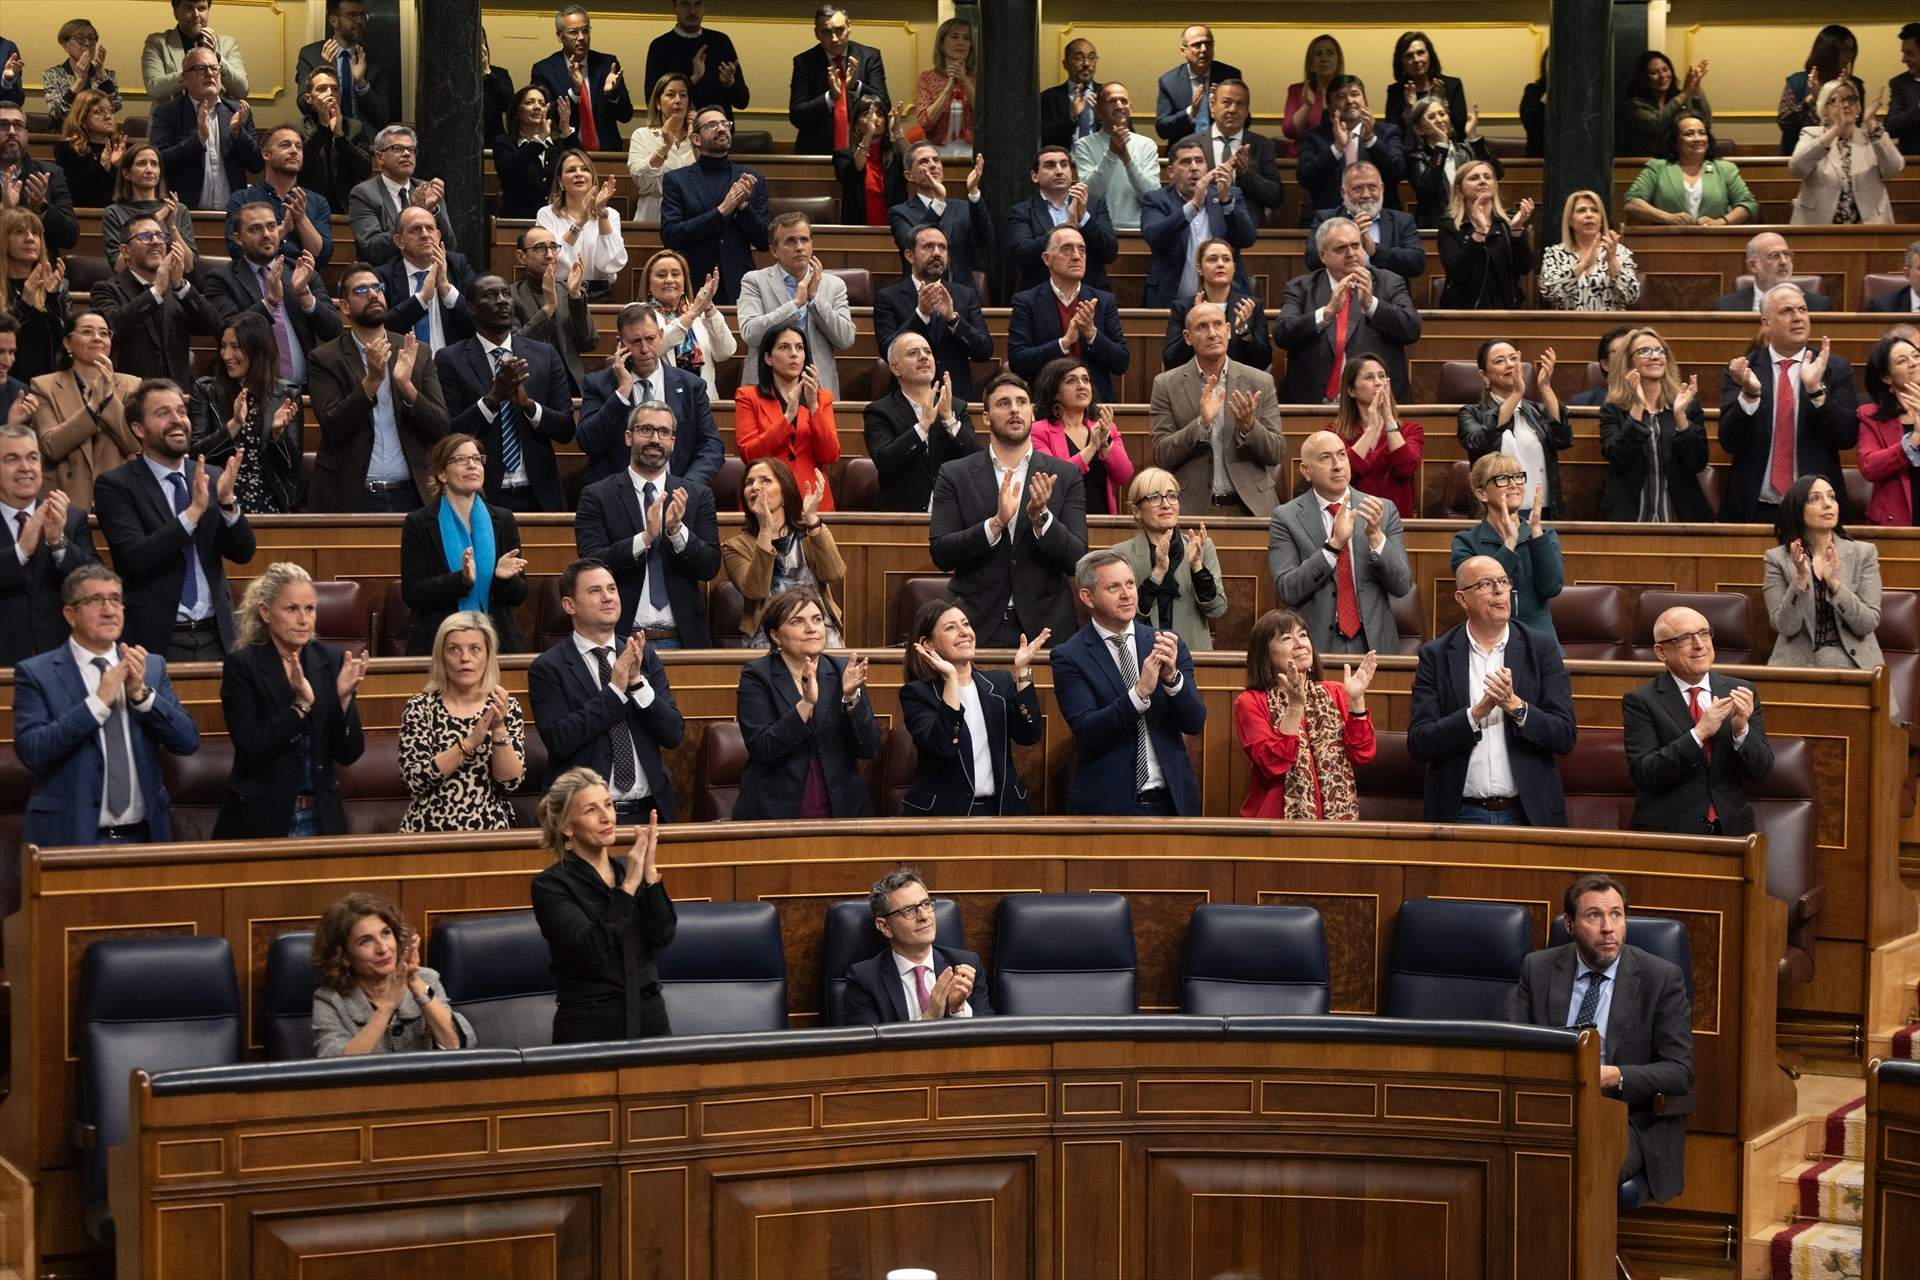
1590	1002
423	327
189	588
509	418
346	85
656	554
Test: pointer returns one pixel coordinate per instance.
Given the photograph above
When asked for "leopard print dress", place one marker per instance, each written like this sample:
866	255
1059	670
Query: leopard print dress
469	798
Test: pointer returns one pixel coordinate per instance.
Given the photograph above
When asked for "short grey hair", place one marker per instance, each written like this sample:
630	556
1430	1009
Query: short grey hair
1766	303
19	431
1086	574
651	406
894	346
393	131
1360	167
76	582
1328	227
886	886
566	11
1913	251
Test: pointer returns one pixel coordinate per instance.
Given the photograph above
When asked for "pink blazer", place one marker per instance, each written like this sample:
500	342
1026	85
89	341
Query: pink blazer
1049	438
1884	462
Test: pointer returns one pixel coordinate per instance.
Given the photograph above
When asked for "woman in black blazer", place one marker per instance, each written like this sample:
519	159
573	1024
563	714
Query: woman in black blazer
1654	438
525	154
884	147
246	404
484	570
1484	250
806	719
604	918
290	705
1434	159
948	703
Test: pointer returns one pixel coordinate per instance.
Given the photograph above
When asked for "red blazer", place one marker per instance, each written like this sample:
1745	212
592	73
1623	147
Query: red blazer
1884	462
1297	94
1050	437
761	430
1273	754
1392	473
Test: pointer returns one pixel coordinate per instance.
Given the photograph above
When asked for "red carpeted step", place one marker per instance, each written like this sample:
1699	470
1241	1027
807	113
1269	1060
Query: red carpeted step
1905	1039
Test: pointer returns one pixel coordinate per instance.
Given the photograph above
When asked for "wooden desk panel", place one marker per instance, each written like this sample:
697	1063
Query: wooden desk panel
1892	1193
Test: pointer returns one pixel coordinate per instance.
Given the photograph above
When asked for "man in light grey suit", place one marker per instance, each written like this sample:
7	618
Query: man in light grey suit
1338	556
1216	424
795	289
374	207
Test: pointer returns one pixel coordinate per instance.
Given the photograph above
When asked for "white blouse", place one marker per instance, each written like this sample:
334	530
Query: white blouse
605	253
716	344
646	178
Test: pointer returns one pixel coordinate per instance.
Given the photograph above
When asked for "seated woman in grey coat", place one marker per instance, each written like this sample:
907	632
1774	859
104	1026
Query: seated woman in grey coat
1822	587
372	995
1178	570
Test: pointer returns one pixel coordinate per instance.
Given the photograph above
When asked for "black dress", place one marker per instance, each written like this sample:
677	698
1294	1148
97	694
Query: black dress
603	941
90	185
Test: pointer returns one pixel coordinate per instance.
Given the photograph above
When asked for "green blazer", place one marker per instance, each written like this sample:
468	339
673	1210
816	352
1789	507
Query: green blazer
1662	185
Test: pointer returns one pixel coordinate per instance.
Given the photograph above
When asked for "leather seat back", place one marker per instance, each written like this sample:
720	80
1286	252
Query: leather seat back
725	970
1725	612
717	772
1255	960
1455	960
290	982
1656	935
1065	953
1393	786
1591	620
499	975
850	937
197	786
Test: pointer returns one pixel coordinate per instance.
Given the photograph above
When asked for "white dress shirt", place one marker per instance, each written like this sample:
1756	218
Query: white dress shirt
645	614
1751	405
976	718
1705	686
136	810
640	695
447	298
1601	1011
1489	773
1019	471
910	988
1155	778
11	514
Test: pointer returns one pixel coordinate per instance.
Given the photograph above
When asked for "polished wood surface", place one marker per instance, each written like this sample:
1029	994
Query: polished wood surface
1891	1235
1104	1157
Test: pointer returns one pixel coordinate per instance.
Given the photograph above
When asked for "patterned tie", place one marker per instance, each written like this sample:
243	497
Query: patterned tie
922	986
282	332
1339	345
1346	596
1590	1002
1706	748
656	553
621	735
189	589
1781	476
119	783
1203	117
423	327
509	419
1142	740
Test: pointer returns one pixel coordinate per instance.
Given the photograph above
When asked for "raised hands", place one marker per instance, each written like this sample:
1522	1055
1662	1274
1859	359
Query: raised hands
403	365
1742	372
1083	312
1813	373
1213	395
1497	694
509	564
810	497
1534	515
854	678
1356	682
1196	544
973	176
353	670
297	680
1039	489
229	474
941	667
808	390
1008	505
1373	514
1023	656
642	869
1162	665
1342	532
1689	391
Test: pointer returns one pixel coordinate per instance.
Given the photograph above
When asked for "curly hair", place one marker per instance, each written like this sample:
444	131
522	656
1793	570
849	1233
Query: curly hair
331	964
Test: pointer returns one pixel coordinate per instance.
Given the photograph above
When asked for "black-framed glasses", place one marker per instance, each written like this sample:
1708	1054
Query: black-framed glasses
646	432
147	237
913	910
1491	586
1688	639
100	600
401	148
468	460
1164	498
201	69
1509	480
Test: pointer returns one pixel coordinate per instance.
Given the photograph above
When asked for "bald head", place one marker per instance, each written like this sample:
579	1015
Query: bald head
1683	640
416	233
1475	569
1325	466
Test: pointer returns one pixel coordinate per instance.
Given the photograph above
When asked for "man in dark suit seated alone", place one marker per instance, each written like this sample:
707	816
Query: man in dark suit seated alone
604	704
510	393
1347	308
1063	316
1694	740
50	540
912	980
1770	263
1638	1003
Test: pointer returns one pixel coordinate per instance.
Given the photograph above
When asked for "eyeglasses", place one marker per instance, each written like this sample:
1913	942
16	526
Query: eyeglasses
913	910
468	459
651	433
362	290
13	126
201	69
99	600
548	246
1687	639
147	237
401	148
1164	498
1492	586
1511	480
725	125
1646	353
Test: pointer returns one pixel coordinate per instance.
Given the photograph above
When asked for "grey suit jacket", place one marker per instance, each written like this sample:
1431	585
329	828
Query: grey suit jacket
1856	602
374	219
1304	579
1183	443
764	303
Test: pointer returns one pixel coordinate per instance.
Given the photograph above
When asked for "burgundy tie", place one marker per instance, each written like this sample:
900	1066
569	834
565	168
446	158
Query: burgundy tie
1693	708
1781	476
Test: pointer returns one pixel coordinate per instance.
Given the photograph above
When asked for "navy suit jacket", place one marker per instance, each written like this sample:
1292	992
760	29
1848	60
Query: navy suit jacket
466	374
967	224
1819	434
403	306
573	715
1170	109
610	110
1059	127
1033	338
956	345
808	109
319	212
604	529
257	701
145	539
603	425
1440	733
1399	250
1319	167
780	745
709	239
30	617
1098	706
943	783
1901	300
174	131
56	736
874	994
14	89
234	288
1030	222
1163	224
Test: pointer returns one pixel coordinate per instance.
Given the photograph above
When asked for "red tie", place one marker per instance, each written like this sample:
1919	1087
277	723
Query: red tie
1693	708
589	132
921	986
840	107
1346	598
1783	450
1339	346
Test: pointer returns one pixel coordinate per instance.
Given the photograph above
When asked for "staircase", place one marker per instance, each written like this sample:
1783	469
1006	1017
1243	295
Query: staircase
1816	1235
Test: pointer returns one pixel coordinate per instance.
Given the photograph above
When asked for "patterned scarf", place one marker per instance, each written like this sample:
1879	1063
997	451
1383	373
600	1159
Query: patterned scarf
1329	775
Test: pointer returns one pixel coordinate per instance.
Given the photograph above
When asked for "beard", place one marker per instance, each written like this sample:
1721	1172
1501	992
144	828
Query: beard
1371	208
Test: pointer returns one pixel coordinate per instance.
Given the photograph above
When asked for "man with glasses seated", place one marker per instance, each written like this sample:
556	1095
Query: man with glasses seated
715	211
550	305
374	207
292	296
1769	262
1492	707
34	184
912	980
1695	741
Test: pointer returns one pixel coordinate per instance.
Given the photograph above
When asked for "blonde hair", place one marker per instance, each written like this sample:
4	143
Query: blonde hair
262	593
1457	204
687	287
1825	98
1486	467
558	802
464	620
1566	217
1622	392
1149	480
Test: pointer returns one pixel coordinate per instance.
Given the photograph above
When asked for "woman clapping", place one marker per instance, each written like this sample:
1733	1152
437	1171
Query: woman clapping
965	721
1303	736
463	740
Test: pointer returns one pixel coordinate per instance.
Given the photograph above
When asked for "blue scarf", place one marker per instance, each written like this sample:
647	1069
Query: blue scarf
456	537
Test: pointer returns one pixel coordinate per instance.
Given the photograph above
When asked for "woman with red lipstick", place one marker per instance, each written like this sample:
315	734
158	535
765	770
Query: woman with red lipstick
372	995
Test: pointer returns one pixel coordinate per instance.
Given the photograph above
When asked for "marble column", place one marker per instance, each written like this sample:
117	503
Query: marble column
1006	127
448	122
1580	112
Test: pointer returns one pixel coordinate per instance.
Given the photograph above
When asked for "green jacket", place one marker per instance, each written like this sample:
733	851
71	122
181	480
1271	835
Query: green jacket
1722	189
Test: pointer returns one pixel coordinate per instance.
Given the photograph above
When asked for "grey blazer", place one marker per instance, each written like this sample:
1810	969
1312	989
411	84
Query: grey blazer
339	1018
1856	603
1189	619
764	303
1304	580
1183	444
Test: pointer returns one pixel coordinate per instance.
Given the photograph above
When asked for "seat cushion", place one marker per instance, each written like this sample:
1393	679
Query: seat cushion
726	970
1455	960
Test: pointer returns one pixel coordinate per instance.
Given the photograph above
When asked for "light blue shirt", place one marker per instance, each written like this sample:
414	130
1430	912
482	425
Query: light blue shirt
388	461
203	601
793	292
1605	1007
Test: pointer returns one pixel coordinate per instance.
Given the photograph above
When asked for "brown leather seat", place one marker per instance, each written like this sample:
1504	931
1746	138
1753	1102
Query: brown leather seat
717	772
196	785
819	209
526	800
1460	383
1591	620
913	593
305	481
1808	284
1725	612
1783	808
726	483
341	617
1393	787
1709	478
1899	637
393	620
1878	284
1457	500
752	142
859	282
725	607
980	287
1859	493
552	624
372	791
1596	376
1598	787
899	760
85	270
856	484
1410	618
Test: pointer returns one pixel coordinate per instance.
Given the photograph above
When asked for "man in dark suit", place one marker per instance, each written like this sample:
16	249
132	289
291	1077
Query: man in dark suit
158	512
1060	199
337	153
1770	263
13	85
1253	157
1347	308
427	284
968	228
292	298
153	308
511	395
1694	740
1196	205
378	403
365	94
41	187
916	428
1183	106
827	80
1905	301
1066	110
1903	94
1492	707
1773	443
374	207
913	980
50	539
551	306
184	129
90	719
1638	1003
635	375
714	211
1345	136
1390	236
1128	694
657	532
1063	316
603	704
1010	523
946	312
704	56
591	81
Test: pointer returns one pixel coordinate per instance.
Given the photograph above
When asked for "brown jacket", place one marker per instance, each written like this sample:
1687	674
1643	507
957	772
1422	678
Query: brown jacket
345	415
76	446
750	569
